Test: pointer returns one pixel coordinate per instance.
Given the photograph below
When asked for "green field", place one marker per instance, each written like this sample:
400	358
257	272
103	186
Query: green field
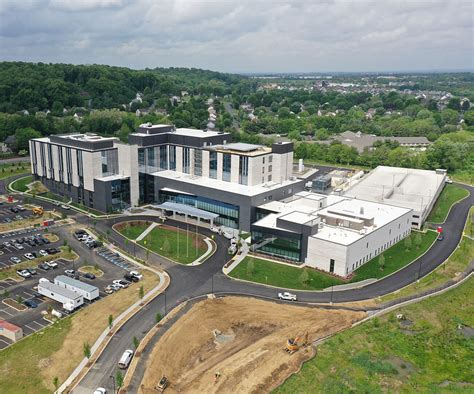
290	277
20	184
448	197
8	170
163	240
427	355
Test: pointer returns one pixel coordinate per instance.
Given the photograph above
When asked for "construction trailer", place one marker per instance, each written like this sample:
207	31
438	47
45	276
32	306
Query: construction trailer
86	290
68	298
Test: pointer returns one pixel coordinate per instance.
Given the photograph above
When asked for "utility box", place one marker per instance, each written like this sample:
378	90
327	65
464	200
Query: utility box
322	183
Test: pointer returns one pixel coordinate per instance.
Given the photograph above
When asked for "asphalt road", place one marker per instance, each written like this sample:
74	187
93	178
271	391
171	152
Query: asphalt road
192	281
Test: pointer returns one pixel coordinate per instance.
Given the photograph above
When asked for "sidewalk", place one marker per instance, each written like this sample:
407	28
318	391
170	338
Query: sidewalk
244	251
203	258
146	232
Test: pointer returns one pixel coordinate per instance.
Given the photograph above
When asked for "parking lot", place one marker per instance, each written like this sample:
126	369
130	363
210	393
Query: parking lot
17	288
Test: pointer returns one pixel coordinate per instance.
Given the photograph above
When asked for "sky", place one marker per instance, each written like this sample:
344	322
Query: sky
243	36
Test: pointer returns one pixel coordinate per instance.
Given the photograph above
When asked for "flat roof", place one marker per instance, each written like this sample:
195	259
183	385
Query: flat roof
242	149
217	184
76	283
5	325
59	290
197	133
186	209
112	177
404	187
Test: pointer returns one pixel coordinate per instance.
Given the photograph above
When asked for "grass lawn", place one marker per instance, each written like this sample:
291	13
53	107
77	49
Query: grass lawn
282	275
448	197
163	240
91	270
20	184
8	170
429	356
396	257
31	365
456	263
133	231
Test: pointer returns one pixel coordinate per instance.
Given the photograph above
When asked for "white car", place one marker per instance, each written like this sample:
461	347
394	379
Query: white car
52	264
233	241
29	256
43	252
100	390
215	230
115	287
15	259
136	274
227	235
65	206
287	296
121	283
18	246
24	273
232	249
449	180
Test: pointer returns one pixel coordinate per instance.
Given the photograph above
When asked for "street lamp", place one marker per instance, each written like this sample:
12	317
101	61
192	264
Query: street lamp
113	380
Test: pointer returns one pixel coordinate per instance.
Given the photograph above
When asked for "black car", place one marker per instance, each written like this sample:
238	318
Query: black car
14	210
88	275
32	271
44	266
53	250
131	278
46	241
30	304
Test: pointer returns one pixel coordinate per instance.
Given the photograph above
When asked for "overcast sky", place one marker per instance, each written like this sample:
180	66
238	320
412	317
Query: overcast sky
241	35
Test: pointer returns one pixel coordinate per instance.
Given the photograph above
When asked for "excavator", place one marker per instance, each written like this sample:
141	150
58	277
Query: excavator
293	344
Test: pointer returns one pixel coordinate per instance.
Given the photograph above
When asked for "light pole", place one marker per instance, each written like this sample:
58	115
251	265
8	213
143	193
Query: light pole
113	380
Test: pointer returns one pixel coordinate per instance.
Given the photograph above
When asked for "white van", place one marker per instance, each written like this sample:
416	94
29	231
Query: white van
125	359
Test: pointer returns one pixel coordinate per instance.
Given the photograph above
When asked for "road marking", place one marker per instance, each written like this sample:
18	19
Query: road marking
29	294
32	329
5	342
4	311
42	326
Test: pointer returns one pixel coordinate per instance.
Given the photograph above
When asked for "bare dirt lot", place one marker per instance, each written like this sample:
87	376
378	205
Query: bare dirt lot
248	349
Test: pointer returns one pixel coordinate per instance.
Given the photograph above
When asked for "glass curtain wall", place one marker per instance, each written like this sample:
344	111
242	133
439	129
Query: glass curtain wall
213	165
226	166
285	247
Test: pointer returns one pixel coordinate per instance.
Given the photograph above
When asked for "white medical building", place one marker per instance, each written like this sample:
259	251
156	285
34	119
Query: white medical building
332	233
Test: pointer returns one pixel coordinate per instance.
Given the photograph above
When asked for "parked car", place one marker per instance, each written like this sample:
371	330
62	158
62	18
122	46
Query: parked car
44	266
23	273
115	287
233	241
53	250
109	290
88	275
43	252
70	273
232	249
32	271
215	230
64	206
287	296
52	264
29	256
227	235
18	246
15	260
30	304
100	390
121	283
440	237
130	278
136	274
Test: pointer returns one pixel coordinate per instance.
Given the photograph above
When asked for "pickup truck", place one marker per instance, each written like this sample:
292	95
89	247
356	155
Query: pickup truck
287	296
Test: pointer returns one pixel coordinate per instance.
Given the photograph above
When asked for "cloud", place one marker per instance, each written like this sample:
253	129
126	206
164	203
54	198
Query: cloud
258	35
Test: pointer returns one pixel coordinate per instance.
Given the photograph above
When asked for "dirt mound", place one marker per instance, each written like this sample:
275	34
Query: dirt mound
240	339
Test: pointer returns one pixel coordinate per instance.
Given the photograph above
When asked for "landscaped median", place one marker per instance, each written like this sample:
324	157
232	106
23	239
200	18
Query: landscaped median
450	195
177	245
292	277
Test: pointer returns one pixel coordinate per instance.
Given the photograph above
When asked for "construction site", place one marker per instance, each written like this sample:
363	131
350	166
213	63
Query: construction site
239	345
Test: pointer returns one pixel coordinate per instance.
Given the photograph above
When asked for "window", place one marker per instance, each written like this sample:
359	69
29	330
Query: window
367	245
226	166
331	265
263	160
186	159
109	161
269	168
213	165
172	154
270	158
163	157
269	178
243	170
197	162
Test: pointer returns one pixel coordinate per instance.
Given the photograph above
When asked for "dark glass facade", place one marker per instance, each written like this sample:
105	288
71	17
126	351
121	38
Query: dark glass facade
213	165
120	193
286	246
243	170
228	213
226	166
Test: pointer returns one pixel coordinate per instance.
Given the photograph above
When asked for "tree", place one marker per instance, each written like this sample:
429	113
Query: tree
86	348
119	379
111	321
304	277
407	243
23	137
250	268
135	342
469	117
418	240
382	261
166	245
158	317
56	382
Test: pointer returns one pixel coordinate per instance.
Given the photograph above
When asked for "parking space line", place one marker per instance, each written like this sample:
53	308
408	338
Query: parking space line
28	294
34	321
5	342
8	313
32	329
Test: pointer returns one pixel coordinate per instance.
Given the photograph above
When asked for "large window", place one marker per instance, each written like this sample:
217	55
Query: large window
213	165
120	192
285	247
243	170
163	157
228	213
197	162
186	160
226	166
109	159
172	153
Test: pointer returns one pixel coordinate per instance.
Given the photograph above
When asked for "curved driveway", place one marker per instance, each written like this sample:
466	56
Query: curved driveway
192	281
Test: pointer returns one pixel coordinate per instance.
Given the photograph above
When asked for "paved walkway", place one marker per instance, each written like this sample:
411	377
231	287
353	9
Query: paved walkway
203	257
146	232
244	251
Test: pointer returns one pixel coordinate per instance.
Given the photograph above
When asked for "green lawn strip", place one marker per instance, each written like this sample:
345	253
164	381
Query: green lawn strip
21	183
382	355
132	232
448	197
8	170
21	364
456	263
396	257
282	275
164	241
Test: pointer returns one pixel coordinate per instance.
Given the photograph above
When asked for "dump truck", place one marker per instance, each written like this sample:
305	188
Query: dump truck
38	211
